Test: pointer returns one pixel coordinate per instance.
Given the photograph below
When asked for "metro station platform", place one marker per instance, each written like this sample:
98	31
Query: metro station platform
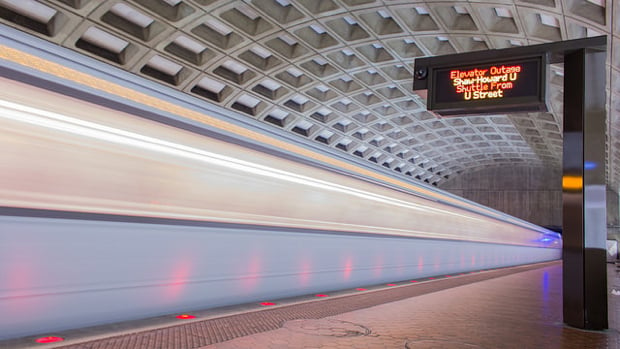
516	307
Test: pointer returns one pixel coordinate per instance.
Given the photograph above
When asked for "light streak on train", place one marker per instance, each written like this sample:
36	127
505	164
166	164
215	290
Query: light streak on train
120	217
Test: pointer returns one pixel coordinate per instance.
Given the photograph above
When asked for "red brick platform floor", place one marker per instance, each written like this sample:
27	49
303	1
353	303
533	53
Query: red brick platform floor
518	307
519	311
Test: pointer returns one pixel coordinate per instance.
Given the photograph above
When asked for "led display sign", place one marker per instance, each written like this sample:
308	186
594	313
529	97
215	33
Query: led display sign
504	86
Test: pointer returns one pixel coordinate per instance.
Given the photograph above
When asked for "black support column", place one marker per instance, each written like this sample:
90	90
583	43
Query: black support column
583	180
583	183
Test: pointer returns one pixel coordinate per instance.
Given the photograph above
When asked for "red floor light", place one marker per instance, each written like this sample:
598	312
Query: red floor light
413	281
321	295
361	289
49	339
391	284
267	303
431	278
185	316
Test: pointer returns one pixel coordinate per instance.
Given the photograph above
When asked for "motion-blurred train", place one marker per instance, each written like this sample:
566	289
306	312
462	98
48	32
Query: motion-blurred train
107	216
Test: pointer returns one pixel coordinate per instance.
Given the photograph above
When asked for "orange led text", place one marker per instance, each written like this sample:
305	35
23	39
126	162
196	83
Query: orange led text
488	83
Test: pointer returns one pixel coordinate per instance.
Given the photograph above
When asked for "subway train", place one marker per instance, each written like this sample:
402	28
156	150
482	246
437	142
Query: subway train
107	216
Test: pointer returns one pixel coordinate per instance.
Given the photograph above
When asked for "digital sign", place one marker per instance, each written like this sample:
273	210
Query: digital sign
504	86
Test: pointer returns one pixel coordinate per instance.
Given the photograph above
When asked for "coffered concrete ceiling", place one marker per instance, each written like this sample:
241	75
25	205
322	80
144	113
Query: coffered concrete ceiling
339	72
